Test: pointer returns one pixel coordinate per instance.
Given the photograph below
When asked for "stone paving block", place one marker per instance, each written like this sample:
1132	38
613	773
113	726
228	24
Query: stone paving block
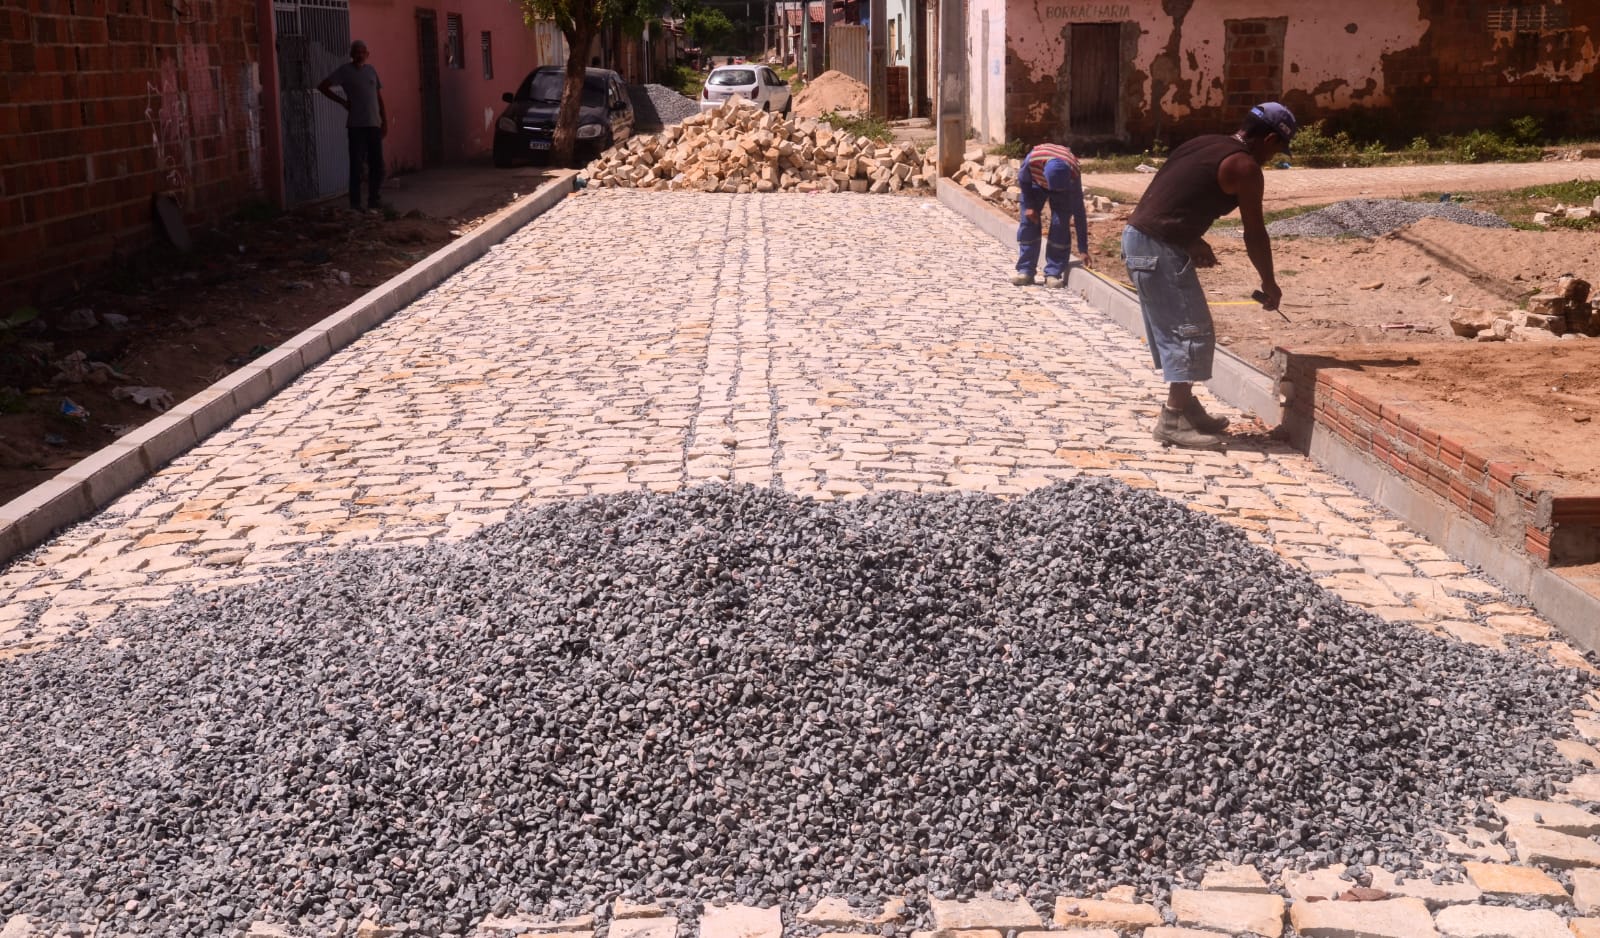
741	921
1230	878
1315	884
1566	818
950	915
1586	890
1436	896
1505	881
1101	913
1170	932
1582	787
1483	921
1387	918
1578	751
1232	912
1550	848
660	927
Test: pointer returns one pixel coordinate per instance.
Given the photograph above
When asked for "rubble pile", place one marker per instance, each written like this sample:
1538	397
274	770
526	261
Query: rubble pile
994	179
737	148
1568	213
1564	311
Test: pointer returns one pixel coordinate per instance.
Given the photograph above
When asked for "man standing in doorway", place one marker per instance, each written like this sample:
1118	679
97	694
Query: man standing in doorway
367	124
1163	243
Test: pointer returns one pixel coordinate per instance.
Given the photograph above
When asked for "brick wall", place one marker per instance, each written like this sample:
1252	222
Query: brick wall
1525	504
105	103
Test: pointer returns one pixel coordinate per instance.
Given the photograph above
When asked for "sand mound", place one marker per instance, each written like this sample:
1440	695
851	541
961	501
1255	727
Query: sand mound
832	91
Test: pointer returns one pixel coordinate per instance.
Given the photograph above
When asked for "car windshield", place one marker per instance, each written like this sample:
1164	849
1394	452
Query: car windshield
732	77
545	88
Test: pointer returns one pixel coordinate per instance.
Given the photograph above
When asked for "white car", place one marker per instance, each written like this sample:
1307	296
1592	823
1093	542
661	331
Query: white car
756	84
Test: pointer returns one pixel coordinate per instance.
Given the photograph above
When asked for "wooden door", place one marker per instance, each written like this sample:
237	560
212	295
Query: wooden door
432	100
1096	76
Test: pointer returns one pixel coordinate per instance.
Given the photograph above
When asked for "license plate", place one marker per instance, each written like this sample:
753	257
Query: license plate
539	144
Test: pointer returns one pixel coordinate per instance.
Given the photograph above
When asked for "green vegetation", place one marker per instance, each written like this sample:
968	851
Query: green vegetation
1121	162
873	128
1518	206
1012	149
684	80
1315	146
708	27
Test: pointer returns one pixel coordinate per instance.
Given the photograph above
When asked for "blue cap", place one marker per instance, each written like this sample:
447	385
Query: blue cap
1278	119
1058	174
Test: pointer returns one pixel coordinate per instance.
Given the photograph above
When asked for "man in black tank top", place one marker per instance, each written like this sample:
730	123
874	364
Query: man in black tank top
1164	243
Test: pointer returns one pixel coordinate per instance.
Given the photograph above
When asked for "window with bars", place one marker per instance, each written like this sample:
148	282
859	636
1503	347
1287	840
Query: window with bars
1529	19
453	56
488	57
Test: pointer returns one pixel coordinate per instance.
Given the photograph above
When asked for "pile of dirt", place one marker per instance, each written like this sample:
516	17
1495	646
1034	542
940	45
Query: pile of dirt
832	91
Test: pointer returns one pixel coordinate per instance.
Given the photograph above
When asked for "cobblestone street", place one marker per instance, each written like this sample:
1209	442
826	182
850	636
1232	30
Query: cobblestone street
628	341
830	346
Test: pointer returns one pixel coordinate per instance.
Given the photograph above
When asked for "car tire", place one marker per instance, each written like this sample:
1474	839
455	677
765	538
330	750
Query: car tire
766	107
787	106
502	157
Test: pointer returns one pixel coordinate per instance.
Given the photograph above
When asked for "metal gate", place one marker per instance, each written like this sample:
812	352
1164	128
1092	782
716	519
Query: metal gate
849	52
313	39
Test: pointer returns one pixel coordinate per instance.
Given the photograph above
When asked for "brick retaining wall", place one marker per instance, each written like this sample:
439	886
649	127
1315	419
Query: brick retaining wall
1525	504
106	103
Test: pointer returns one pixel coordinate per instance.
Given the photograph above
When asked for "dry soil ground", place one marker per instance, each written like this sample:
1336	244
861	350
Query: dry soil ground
1387	302
192	318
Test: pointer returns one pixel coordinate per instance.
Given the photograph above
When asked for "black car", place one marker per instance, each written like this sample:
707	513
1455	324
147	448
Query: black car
526	131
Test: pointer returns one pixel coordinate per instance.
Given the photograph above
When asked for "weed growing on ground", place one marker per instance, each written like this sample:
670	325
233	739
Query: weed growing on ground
873	128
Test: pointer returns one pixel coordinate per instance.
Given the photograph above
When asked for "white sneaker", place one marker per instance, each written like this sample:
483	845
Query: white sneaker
1055	281
1021	280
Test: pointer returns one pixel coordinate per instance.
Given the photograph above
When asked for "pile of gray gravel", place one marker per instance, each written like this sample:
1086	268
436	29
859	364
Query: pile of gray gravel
1370	218
656	106
733	693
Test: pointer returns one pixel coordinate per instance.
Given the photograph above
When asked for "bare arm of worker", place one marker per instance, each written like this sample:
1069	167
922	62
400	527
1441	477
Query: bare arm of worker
383	116
1240	176
327	91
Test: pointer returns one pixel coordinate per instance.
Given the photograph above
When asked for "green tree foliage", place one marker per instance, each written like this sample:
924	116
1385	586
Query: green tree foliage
580	21
707	27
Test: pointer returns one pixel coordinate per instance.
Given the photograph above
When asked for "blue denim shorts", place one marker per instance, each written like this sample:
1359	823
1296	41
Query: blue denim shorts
1177	321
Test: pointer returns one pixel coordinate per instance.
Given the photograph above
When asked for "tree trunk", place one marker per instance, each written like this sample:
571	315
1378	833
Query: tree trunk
578	39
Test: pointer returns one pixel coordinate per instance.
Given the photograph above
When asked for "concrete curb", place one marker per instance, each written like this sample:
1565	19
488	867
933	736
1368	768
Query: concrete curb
1232	381
88	485
1568	606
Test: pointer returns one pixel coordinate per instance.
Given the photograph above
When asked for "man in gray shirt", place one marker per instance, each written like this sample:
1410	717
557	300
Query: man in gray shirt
367	125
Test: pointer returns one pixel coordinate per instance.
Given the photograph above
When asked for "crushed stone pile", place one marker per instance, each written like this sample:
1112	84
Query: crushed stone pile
737	148
731	693
832	92
1371	218
659	106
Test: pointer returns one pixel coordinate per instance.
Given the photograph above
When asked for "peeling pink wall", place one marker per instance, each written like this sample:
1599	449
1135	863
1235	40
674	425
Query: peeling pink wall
1335	57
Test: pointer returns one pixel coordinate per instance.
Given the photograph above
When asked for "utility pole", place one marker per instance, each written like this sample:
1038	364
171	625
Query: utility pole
827	33
878	46
951	105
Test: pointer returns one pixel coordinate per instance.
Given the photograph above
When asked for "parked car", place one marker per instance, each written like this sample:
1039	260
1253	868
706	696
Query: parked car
757	84
526	132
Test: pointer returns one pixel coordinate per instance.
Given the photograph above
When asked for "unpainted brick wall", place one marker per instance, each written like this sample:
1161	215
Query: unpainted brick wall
103	104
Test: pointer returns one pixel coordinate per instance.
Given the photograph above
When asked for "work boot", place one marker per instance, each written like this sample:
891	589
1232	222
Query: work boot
1174	429
1202	421
1020	279
1050	281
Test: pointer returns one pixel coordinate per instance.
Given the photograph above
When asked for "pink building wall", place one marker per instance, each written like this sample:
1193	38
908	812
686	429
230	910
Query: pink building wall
469	102
1183	66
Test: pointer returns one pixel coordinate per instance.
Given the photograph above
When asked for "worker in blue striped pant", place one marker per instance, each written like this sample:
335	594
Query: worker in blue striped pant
1049	173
